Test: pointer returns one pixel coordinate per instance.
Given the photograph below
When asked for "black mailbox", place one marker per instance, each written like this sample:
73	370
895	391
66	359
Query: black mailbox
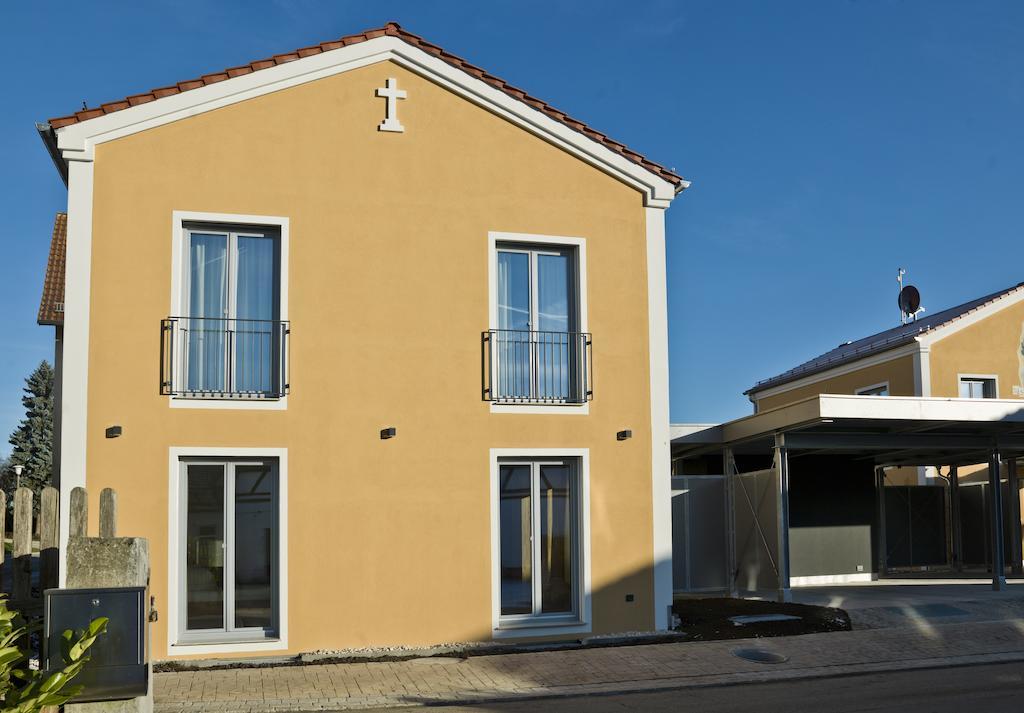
119	659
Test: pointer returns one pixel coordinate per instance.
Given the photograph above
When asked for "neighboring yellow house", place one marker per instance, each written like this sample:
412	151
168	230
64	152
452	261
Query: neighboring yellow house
373	347
973	350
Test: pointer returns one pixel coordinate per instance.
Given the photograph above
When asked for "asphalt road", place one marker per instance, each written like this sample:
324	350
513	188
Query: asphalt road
974	689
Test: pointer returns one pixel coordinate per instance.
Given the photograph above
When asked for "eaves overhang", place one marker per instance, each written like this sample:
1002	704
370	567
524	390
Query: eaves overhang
77	141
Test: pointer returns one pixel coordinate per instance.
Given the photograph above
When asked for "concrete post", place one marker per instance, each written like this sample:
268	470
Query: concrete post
110	562
108	513
21	545
955	524
1013	493
785	594
996	522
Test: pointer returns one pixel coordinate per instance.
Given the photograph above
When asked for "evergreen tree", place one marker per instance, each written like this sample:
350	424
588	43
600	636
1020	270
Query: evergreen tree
33	439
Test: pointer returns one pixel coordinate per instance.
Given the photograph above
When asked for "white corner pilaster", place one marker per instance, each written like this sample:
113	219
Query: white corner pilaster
923	370
923	387
75	381
661	457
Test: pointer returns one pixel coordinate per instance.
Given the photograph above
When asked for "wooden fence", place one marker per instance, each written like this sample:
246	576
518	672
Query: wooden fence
29	569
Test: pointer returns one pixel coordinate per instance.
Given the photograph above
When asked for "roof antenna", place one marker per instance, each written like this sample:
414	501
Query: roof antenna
909	300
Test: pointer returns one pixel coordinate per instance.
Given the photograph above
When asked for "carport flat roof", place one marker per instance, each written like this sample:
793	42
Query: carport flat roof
889	430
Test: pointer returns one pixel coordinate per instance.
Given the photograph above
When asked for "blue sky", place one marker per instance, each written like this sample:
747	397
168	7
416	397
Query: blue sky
828	143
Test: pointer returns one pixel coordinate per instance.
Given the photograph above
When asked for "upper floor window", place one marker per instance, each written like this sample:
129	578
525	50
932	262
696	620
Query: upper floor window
537	349
978	387
876	390
228	340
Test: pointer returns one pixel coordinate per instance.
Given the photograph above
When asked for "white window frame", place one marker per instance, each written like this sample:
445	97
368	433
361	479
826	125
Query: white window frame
218	643
520	625
994	378
865	390
182	222
579	246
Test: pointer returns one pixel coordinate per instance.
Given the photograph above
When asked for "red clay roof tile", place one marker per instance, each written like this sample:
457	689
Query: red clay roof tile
391	29
51	304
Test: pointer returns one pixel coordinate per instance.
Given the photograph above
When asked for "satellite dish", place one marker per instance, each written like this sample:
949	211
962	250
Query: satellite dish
909	300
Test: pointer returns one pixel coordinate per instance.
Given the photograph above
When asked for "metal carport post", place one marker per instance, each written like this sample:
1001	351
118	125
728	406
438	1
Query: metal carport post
996	521
785	594
1013	492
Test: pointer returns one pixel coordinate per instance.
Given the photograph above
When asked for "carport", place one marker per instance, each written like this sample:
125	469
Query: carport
859	436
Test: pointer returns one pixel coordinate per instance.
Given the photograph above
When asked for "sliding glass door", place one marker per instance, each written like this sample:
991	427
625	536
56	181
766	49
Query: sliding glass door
232	302
230	549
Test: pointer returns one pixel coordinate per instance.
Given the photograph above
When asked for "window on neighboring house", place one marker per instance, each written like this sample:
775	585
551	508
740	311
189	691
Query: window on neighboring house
978	387
876	390
538	353
229	550
228	339
539	540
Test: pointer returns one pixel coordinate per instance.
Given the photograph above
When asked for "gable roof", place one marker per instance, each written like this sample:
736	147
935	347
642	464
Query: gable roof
51	304
391	29
882	341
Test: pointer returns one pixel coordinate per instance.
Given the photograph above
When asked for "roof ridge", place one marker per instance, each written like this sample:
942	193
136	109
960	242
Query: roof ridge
391	29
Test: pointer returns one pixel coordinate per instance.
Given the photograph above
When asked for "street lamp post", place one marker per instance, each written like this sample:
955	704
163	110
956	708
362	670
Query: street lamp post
17	473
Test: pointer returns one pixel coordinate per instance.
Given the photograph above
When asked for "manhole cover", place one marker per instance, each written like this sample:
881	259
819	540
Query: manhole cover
760	656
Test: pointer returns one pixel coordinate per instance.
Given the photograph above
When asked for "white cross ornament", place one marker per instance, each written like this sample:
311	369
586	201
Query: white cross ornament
392	93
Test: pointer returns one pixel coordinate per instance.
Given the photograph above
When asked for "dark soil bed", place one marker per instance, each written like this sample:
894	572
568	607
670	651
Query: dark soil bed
708	619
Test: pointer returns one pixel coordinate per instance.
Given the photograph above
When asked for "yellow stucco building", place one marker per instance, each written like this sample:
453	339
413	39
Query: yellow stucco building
386	342
973	350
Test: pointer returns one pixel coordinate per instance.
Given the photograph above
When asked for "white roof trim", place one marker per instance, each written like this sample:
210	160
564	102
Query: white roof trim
848	367
881	408
77	142
960	323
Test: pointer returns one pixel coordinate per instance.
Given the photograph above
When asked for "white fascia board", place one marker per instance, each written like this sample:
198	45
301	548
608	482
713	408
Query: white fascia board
833	407
961	323
828	407
910	408
766	422
677	430
841	370
78	141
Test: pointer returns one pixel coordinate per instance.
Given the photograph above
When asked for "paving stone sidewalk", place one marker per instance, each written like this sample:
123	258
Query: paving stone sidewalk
588	671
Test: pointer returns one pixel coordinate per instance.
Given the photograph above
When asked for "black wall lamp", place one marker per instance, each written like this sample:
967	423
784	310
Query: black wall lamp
623	435
386	433
113	432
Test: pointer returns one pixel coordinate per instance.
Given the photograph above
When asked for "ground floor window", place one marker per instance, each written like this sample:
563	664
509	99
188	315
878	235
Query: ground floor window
978	387
228	549
539	539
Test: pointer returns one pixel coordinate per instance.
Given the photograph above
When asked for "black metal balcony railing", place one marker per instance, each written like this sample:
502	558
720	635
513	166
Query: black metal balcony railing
522	367
210	357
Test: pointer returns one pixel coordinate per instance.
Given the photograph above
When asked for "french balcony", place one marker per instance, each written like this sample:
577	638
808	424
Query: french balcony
217	358
529	367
